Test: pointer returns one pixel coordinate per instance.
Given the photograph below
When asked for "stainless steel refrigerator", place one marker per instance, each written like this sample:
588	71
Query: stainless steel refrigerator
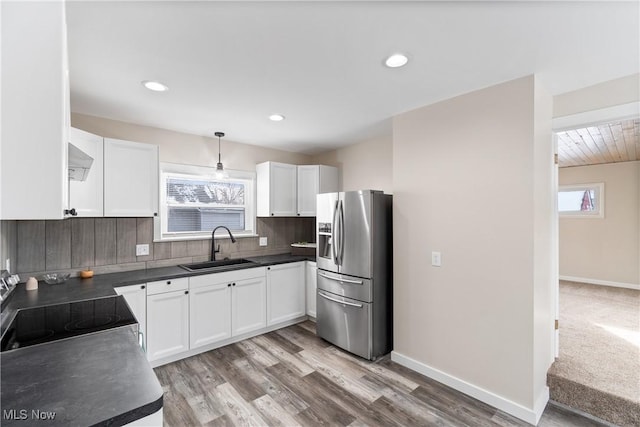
355	275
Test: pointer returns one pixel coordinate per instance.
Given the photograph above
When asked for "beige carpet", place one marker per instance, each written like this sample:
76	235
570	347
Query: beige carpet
598	370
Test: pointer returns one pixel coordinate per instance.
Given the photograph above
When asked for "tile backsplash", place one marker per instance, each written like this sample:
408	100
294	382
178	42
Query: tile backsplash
109	244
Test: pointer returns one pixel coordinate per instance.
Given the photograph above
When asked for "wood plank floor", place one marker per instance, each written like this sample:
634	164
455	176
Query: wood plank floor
290	377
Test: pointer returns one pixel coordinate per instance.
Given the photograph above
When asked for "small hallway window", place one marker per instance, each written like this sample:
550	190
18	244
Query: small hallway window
581	200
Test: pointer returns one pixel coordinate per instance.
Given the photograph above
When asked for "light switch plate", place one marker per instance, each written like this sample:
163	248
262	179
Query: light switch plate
262	241
436	259
142	250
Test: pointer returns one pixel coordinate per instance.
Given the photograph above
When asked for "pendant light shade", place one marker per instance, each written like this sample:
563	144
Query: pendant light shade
220	172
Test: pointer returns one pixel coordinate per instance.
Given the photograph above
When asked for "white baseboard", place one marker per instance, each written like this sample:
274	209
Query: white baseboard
600	282
532	416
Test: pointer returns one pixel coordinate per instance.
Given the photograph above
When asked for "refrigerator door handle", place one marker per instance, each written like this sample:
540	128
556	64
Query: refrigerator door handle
341	235
338	301
355	282
334	235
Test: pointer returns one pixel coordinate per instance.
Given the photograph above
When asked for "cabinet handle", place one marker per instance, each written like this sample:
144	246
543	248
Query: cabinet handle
168	282
228	285
268	268
155	214
71	212
233	284
271	213
186	292
298	214
142	287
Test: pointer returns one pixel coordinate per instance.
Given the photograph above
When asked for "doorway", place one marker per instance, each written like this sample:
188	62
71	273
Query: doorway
597	369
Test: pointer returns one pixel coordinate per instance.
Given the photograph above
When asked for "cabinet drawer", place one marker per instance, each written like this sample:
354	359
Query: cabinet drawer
225	276
168	285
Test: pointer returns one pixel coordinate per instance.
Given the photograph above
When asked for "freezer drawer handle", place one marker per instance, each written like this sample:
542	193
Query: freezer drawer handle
339	302
355	282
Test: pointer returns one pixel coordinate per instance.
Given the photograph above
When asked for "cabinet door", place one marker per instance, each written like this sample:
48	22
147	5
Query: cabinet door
130	178
311	282
285	292
136	297
86	197
209	314
167	324
308	185
248	302
328	182
280	194
35	115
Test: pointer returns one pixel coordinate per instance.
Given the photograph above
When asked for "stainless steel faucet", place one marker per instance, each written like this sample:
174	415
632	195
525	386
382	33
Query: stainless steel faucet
214	250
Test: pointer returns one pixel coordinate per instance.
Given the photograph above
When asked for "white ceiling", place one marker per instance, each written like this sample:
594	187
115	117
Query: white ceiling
229	65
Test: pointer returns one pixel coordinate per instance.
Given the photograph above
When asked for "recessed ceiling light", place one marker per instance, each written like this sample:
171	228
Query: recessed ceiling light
396	60
276	117
154	86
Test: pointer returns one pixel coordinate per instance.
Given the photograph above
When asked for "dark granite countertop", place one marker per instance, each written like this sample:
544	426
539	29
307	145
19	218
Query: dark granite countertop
77	289
96	379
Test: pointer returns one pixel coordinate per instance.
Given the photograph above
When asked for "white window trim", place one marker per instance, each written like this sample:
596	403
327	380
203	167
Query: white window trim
204	171
599	192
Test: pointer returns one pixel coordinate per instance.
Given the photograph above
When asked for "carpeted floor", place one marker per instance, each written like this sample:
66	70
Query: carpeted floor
598	370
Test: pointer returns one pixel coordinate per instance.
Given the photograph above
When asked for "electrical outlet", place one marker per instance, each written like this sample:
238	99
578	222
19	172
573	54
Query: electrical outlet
262	241
436	259
142	250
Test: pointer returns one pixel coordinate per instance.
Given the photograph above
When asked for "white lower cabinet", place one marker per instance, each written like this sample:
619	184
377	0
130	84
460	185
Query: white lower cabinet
311	285
189	315
136	297
223	305
168	324
248	301
286	293
209	314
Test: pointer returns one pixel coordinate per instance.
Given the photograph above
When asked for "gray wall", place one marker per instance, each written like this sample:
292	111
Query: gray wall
108	244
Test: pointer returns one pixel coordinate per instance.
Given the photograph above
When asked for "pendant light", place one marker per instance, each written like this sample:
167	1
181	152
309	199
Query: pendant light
220	172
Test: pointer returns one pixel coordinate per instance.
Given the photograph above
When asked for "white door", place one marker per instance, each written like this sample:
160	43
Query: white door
86	197
282	189
311	285
248	305
167	324
308	186
130	178
209	314
136	297
286	292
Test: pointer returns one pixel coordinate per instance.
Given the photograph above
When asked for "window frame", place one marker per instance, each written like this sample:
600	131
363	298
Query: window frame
598	212
202	172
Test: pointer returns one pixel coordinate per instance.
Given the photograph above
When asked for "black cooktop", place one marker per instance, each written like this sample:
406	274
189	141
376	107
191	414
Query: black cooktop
39	325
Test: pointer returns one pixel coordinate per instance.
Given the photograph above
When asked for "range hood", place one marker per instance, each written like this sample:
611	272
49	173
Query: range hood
79	163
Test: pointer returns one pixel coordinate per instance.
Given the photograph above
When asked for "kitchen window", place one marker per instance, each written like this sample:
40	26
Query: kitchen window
581	201
193	201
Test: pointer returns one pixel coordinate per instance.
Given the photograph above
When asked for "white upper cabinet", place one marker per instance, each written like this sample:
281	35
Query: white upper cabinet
86	196
290	190
313	180
130	178
276	183
35	111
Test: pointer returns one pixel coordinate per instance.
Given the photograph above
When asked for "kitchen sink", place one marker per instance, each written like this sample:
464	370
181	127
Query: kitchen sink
213	265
